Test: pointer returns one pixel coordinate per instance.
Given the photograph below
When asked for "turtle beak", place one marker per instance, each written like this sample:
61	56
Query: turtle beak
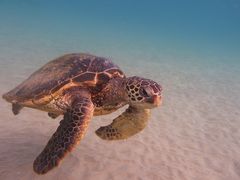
156	100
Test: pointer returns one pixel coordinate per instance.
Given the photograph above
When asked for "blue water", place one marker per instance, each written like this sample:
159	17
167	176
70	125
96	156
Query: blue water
202	28
192	48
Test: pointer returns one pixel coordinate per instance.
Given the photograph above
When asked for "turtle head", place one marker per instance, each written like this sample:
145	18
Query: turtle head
143	92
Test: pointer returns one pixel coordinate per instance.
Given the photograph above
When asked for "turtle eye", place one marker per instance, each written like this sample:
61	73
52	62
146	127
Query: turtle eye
144	92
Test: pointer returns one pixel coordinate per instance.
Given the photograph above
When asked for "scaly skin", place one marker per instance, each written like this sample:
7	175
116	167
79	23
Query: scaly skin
69	133
129	123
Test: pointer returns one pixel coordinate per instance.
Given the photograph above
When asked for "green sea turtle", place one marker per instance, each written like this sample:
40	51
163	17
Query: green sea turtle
79	86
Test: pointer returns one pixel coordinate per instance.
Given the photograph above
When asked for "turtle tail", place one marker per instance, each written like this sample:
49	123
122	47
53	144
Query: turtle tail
8	96
11	96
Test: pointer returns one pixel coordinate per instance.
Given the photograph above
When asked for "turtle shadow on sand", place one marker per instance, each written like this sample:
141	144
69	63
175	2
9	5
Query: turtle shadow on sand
18	152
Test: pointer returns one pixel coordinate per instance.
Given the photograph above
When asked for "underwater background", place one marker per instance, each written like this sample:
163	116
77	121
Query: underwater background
192	48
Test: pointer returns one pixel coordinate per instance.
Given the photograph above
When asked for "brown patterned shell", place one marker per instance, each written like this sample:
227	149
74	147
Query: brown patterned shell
69	70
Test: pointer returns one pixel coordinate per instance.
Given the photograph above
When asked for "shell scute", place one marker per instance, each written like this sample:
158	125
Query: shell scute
99	65
79	65
60	85
88	76
115	72
66	71
102	78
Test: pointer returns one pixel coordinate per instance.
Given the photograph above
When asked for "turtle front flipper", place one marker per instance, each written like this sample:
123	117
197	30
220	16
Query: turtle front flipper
69	133
132	121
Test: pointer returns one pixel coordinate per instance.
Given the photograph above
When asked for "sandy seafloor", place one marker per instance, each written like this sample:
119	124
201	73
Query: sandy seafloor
195	135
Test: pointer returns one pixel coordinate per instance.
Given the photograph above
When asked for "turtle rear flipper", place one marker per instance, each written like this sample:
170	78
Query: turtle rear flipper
16	108
132	121
52	115
70	131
